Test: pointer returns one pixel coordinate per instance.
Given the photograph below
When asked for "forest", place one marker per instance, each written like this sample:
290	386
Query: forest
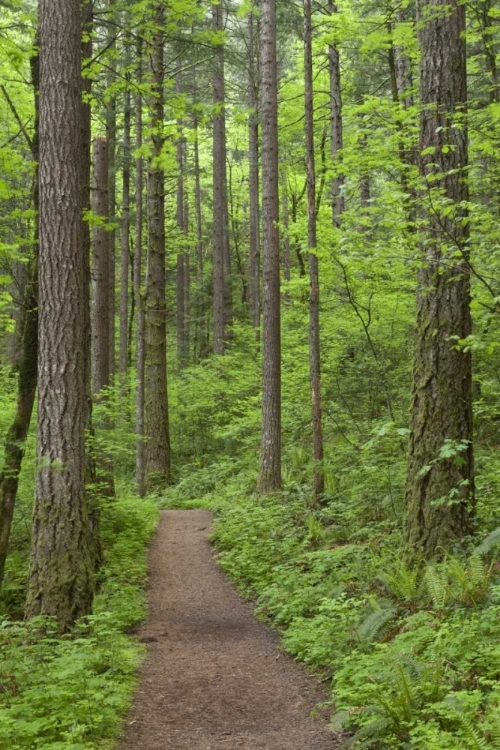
248	264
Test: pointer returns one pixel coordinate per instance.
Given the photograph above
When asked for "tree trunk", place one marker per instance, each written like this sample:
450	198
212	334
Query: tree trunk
253	173
27	375
140	463
156	406
111	139
221	266
124	284
314	329
270	454
61	569
100	271
182	256
336	137
440	478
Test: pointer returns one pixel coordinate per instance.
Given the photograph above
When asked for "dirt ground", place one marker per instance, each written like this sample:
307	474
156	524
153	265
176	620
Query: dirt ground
214	678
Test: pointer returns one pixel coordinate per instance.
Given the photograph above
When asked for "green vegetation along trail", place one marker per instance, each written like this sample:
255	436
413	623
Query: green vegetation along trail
214	678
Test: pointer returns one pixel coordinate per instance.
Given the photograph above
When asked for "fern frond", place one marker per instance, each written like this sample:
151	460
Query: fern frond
375	624
437	587
491	541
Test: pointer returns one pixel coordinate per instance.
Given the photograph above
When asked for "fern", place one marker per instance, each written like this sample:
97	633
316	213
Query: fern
488	544
474	740
375	624
437	587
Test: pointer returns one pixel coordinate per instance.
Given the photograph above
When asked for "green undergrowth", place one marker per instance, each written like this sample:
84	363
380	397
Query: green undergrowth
71	692
412	654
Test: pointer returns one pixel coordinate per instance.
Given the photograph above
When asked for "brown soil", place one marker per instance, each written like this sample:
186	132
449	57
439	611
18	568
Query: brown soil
214	678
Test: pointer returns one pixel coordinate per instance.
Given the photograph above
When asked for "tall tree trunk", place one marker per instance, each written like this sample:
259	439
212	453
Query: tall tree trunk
101	349
440	478
125	227
61	569
182	256
270	453
221	263
314	329
27	374
111	139
100	270
92	496
201	347
336	135
156	405
253	173
140	463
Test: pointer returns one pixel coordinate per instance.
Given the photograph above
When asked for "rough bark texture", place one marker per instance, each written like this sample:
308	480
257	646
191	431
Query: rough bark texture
61	570
314	330
440	490
336	134
270	453
202	336
253	172
156	405
220	214
27	367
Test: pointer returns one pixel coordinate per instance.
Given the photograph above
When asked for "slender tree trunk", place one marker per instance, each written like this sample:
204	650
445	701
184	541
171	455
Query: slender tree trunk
111	139
253	170
27	374
221	265
140	464
314	329
100	270
156	405
125	271
182	256
287	266
201	347
440	477
336	135
93	499
61	569
270	454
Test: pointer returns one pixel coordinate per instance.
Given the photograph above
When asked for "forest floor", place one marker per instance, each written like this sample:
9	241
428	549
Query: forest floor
214	677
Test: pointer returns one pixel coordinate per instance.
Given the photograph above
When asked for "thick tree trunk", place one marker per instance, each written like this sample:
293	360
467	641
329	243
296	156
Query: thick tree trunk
156	405
270	454
314	329
336	127
253	173
61	570
440	478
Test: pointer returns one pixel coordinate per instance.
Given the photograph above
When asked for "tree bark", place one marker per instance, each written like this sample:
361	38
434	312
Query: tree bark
253	174
440	477
156	404
111	139
140	463
336	127
125	227
27	374
221	263
270	453
61	569
314	325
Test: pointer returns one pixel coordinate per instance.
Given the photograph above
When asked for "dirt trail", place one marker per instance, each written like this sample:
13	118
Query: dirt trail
214	678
